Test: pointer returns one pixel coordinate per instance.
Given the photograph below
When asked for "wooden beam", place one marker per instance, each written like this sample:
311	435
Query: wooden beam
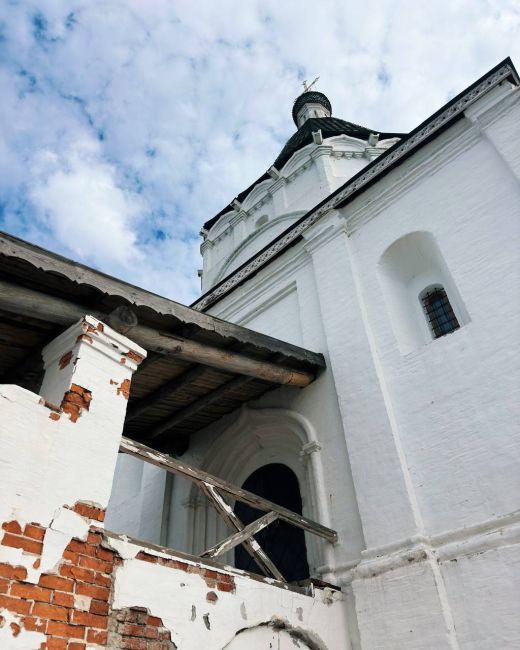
122	319
240	537
163	392
28	302
12	247
251	545
199	404
196	475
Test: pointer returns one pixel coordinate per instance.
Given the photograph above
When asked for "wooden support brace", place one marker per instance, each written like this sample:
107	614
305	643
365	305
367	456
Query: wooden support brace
199	476
238	538
251	545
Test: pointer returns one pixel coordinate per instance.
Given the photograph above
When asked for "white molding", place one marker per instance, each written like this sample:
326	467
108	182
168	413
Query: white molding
373	170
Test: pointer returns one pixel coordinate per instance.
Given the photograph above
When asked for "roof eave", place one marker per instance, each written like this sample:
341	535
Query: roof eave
374	171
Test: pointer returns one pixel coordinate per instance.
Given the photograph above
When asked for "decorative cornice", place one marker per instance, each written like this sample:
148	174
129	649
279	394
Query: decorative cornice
419	136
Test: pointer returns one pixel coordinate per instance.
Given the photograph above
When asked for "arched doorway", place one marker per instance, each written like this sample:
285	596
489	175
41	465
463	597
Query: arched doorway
283	543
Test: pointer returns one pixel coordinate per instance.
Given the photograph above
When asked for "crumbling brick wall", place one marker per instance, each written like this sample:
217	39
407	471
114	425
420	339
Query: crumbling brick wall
134	628
72	606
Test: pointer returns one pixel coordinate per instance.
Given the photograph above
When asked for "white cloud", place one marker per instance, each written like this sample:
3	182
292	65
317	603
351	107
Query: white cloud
84	208
156	113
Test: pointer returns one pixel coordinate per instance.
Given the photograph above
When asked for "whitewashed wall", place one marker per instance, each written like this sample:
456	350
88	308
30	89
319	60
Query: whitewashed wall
410	452
309	176
432	431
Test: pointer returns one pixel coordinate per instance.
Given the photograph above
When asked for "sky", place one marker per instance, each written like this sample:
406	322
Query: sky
125	124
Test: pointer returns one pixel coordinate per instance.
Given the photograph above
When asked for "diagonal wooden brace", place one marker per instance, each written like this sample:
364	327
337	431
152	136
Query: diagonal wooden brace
236	539
250	544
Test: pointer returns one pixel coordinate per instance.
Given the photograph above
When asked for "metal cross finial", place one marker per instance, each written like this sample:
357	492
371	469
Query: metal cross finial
306	87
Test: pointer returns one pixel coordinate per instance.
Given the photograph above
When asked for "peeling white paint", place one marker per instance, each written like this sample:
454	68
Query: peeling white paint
65	526
175	595
24	640
50	463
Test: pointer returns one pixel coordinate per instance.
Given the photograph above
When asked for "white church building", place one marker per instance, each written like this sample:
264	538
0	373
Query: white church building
395	257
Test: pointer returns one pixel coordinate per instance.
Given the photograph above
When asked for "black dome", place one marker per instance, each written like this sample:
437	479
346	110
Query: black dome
329	126
312	96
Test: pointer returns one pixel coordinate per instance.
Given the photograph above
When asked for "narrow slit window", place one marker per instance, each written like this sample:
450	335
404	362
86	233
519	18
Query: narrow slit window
439	312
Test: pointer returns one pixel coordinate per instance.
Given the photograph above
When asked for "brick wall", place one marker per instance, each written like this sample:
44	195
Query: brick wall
134	628
72	607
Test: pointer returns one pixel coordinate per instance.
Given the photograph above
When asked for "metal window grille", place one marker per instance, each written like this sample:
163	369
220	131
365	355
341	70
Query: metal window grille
439	312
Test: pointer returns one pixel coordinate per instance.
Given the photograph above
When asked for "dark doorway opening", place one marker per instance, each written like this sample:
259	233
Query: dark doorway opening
283	543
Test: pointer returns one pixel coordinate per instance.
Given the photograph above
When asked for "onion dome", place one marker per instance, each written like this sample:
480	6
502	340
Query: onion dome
310	104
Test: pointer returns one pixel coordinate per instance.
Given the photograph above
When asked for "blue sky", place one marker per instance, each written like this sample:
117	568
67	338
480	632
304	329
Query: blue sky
126	124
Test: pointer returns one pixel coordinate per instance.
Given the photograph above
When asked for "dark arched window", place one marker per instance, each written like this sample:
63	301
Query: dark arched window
439	312
283	543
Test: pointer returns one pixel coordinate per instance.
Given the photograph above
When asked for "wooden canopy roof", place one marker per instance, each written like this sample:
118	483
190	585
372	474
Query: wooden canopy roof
198	368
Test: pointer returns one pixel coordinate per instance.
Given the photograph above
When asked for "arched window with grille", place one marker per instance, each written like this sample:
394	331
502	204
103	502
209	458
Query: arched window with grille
438	311
420	293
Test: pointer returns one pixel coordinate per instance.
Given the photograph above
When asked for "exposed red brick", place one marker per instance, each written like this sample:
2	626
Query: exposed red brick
135	629
211	597
28	545
31	592
124	389
76	646
132	643
89	620
76	400
100	593
54	416
4	585
99	607
97	636
95	564
12	527
15	605
13	572
60	598
71	557
94	538
56	644
50	612
55	582
34	624
15	629
134	356
142	555
86	338
58	628
80	548
65	360
77	573
86	510
34	532
104	554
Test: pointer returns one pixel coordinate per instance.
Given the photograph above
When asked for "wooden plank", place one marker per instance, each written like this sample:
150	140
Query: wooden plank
196	475
198	405
251	545
50	262
21	300
163	392
236	539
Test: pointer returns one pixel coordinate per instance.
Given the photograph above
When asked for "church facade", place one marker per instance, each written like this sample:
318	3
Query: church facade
351	361
403	276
